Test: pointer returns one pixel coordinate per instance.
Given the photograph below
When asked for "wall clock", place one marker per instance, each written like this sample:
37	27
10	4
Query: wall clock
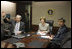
50	12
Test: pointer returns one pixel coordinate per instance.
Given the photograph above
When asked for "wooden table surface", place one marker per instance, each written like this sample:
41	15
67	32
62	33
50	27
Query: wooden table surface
26	41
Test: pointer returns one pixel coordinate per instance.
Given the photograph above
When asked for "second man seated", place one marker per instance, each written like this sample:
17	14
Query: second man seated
17	26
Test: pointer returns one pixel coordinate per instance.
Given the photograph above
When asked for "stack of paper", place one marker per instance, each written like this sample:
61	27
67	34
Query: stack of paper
41	33
46	37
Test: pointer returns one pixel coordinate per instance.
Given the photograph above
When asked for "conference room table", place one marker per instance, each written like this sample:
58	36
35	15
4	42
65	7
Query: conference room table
26	41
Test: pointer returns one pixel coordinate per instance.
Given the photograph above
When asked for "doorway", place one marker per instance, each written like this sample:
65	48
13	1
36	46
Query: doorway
25	10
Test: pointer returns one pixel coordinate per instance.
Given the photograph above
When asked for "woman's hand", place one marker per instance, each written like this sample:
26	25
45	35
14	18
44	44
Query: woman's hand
43	31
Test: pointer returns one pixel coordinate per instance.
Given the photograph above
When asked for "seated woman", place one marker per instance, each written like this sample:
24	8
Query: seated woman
43	27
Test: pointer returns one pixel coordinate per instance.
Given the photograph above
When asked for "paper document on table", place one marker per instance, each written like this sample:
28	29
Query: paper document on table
41	33
46	37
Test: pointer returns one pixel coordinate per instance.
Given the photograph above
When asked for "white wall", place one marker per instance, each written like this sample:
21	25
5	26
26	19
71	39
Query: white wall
8	7
61	9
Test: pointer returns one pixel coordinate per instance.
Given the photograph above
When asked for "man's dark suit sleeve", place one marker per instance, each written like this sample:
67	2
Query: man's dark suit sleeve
61	35
62	32
23	27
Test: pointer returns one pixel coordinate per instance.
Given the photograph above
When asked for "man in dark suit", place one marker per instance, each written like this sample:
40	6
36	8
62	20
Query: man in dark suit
17	26
57	39
62	29
5	26
26	21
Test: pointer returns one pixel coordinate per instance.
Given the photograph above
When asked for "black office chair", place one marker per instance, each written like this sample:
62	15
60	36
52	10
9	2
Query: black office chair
66	39
50	22
65	43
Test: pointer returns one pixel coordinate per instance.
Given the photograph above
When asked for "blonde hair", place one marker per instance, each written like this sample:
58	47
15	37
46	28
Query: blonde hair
43	19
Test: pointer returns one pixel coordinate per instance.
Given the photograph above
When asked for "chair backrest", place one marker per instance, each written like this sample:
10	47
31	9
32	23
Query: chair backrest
50	22
67	37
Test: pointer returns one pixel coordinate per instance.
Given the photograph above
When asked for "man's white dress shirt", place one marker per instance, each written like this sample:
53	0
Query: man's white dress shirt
16	29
